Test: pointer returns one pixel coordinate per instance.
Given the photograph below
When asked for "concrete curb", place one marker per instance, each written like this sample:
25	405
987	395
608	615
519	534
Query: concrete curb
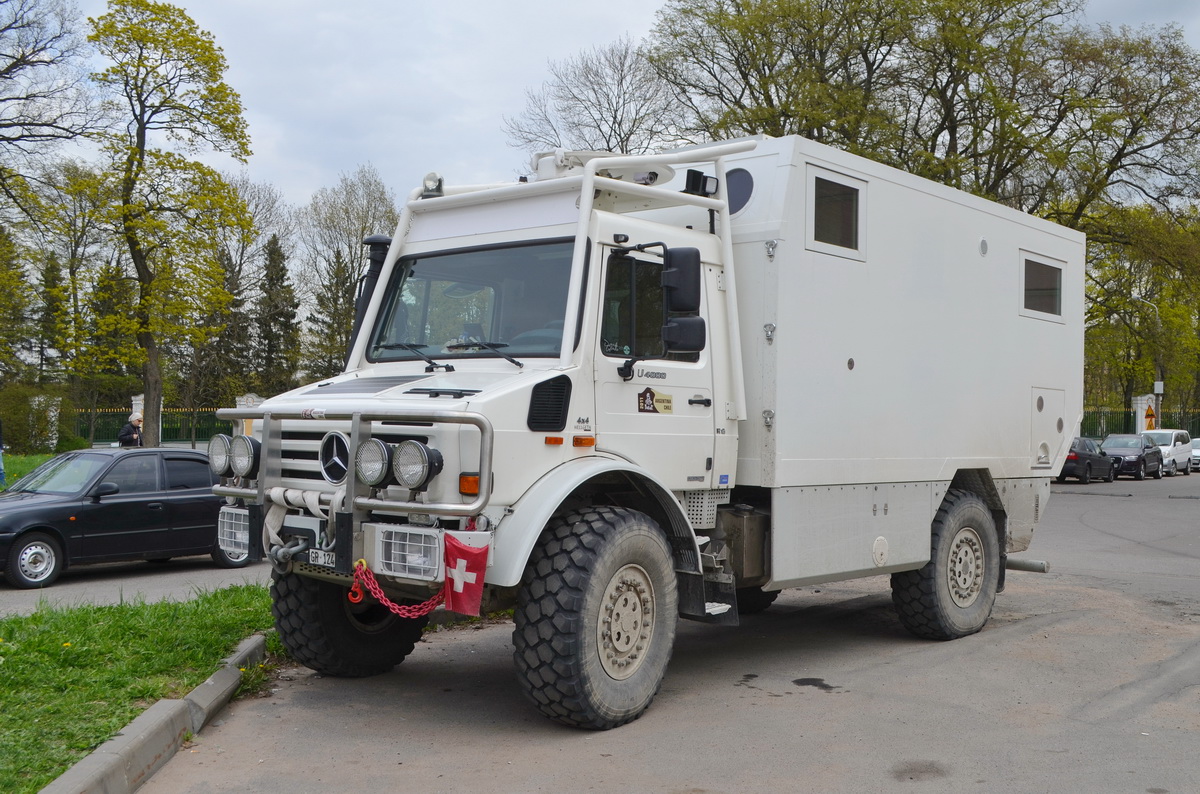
126	761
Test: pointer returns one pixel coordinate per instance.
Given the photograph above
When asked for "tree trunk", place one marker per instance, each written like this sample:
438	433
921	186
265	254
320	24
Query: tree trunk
152	382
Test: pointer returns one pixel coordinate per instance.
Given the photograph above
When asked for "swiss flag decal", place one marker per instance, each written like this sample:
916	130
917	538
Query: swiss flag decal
465	568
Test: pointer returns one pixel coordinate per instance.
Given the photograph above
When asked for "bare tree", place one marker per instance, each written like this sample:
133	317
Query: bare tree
607	99
43	98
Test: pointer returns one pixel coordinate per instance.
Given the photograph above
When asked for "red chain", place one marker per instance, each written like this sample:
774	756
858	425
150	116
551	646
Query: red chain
363	575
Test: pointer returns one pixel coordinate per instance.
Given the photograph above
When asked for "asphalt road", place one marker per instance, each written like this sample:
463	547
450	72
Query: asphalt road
124	582
1086	679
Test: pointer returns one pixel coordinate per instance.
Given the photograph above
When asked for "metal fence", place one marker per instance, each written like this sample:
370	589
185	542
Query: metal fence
177	424
1099	422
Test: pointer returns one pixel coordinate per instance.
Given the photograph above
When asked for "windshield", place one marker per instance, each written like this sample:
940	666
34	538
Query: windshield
1162	439
1123	442
65	474
476	303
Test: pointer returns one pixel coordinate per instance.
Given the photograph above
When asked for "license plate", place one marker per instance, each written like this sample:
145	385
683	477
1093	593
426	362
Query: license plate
318	557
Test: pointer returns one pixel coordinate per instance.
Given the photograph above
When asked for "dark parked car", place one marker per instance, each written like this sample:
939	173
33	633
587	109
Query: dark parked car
1137	455
103	505
1085	461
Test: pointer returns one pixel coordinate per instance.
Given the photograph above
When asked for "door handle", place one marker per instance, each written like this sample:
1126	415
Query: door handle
154	506
700	401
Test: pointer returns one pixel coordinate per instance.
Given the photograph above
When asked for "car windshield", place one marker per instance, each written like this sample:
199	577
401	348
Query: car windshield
1162	439
1125	442
65	474
483	302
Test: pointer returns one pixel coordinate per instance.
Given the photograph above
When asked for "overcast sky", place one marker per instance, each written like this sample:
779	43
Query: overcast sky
413	87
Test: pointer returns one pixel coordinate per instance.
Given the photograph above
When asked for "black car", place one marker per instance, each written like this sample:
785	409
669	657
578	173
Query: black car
1135	454
1085	461
103	505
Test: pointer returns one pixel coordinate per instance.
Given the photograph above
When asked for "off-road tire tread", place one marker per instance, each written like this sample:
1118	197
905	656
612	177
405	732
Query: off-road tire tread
548	619
296	604
913	592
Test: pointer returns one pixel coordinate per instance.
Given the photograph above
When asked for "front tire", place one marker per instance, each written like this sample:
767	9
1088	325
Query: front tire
34	560
595	619
325	632
1158	472
1140	474
952	596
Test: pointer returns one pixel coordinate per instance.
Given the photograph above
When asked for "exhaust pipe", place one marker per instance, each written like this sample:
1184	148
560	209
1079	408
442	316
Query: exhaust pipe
1033	566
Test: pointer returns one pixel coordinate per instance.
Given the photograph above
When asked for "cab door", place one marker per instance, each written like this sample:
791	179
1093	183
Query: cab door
654	404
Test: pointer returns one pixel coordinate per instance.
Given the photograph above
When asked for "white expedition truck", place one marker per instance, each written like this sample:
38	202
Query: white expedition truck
638	388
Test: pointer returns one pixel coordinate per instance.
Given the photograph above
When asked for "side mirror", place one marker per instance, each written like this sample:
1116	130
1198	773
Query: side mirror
681	279
105	489
684	334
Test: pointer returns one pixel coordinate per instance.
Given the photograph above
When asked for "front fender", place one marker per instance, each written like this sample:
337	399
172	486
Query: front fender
518	531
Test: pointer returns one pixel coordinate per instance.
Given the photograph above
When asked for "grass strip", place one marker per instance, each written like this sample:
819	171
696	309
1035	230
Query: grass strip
70	679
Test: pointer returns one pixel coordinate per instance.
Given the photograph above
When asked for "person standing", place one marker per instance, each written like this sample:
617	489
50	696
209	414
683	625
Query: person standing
3	482
131	433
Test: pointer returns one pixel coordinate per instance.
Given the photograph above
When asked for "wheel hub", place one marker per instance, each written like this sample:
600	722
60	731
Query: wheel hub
36	562
626	621
966	567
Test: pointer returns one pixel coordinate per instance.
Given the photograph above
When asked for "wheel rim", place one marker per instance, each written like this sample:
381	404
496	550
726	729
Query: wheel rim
626	621
966	567
36	562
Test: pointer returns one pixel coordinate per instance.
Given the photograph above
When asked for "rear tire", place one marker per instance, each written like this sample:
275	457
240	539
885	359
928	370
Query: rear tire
325	632
595	619
952	596
224	559
1087	475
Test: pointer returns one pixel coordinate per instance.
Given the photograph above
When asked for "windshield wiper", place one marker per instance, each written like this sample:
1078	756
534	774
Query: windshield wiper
409	346
492	346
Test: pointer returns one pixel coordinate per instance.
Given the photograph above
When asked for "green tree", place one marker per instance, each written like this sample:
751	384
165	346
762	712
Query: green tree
166	77
277	331
16	310
51	316
331	321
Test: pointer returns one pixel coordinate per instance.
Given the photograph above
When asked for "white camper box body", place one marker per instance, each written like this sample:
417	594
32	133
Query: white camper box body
874	375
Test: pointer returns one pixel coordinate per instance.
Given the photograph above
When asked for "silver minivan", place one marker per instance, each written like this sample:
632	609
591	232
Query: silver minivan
1176	446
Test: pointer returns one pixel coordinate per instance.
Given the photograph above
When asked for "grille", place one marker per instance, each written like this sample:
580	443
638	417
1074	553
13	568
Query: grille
701	506
301	447
413	554
233	530
548	405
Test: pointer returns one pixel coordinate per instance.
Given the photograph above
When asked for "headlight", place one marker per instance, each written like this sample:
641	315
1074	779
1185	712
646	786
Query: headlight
243	456
1131	457
415	464
373	463
218	455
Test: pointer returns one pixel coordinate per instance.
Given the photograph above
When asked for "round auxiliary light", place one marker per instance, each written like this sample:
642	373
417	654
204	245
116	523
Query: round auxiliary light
244	455
415	464
218	455
373	463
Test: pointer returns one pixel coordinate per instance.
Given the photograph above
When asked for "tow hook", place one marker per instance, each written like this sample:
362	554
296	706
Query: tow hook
280	557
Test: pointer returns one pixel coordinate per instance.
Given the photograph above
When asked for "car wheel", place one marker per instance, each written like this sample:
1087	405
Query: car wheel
34	560
1112	473
752	600
225	559
1158	472
1171	469
1140	474
1061	478
952	596
1086	477
1187	469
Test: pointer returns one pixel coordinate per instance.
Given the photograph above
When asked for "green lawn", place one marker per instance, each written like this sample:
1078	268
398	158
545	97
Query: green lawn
70	679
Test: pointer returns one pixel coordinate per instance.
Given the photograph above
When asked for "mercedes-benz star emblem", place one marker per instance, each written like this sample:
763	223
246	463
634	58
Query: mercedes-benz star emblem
335	457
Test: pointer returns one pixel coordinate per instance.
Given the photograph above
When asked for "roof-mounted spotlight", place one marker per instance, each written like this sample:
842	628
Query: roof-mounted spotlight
432	186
